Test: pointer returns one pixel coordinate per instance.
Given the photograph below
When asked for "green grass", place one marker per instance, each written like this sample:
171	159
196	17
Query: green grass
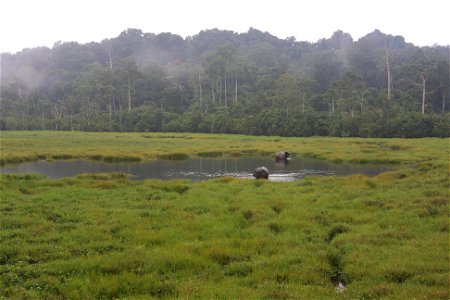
19	146
104	236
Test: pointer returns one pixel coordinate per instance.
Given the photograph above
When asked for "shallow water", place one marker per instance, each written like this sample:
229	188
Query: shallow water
197	168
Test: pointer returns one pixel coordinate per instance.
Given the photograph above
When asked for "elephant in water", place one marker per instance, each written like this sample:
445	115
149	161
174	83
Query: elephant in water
261	173
282	157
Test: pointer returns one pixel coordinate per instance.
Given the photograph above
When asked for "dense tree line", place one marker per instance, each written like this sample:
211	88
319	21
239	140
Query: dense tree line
224	82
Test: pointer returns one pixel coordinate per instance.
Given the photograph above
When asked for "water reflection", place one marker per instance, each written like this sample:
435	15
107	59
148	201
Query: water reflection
198	168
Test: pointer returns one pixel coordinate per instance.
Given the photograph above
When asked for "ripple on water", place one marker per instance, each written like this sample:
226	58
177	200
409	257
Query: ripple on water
197	168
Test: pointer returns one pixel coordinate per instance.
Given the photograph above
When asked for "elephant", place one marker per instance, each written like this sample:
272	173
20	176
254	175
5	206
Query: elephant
261	173
281	157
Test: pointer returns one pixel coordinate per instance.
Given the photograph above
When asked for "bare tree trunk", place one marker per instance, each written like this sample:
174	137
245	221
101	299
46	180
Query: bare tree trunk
129	94
120	115
423	96
388	68
200	88
424	77
25	121
219	90
110	59
88	113
110	116
114	108
56	118
443	102
212	92
42	119
236	87
362	100
225	87
303	102
352	108
71	121
57	115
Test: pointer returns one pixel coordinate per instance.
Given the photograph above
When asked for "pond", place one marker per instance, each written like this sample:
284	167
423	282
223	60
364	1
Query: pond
198	168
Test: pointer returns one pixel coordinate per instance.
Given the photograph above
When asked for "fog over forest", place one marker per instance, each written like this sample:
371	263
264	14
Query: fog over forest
219	81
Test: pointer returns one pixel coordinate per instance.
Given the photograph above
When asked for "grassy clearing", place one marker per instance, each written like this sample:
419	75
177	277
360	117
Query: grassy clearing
22	146
104	236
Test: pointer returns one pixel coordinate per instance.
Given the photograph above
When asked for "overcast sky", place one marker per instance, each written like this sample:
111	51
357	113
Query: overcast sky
32	23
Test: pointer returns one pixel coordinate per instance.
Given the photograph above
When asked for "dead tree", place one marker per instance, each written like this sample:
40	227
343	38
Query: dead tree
388	68
424	76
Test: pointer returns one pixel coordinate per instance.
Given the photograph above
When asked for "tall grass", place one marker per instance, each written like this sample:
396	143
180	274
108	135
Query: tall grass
104	236
20	146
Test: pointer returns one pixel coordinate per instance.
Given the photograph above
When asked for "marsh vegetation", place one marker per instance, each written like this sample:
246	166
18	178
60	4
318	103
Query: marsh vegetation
105	236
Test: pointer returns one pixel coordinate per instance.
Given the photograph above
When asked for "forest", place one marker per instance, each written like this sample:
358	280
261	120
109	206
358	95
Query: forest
220	81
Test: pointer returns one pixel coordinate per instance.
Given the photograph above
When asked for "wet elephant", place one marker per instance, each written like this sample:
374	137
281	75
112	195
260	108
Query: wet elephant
281	156
261	173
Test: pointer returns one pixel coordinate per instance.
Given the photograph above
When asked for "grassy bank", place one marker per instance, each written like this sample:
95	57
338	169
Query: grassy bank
103	236
22	146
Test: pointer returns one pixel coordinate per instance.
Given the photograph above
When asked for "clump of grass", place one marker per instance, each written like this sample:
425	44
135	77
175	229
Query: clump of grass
62	156
177	186
277	206
282	278
210	154
250	151
103	185
121	158
102	176
335	230
236	153
378	291
95	157
275	228
276	293
220	255
374	203
173	156
180	189
248	214
265	153
25	176
259	183
226	179
335	259
399	275
239	269
17	159
8	254
396	147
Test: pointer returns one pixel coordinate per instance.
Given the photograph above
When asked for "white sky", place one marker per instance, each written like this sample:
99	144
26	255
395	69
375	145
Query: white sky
32	23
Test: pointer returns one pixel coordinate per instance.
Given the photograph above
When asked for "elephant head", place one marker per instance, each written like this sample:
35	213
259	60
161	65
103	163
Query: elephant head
281	156
261	173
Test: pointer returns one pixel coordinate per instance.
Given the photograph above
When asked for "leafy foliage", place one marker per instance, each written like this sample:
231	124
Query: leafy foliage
223	82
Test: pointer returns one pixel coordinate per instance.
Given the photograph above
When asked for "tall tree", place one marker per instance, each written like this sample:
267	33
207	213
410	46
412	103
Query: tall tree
287	91
305	87
387	50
